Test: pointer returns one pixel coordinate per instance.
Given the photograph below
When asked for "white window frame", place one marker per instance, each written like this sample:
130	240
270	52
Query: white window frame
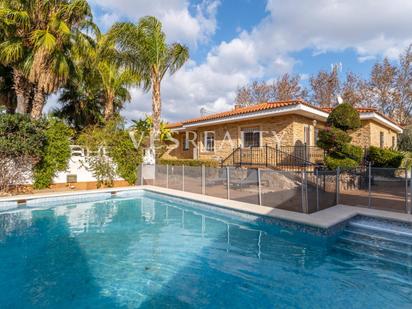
206	134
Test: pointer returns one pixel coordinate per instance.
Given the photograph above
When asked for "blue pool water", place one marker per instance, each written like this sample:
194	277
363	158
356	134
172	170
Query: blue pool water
152	251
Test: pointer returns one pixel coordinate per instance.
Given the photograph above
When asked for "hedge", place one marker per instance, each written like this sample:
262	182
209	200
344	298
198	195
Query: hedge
350	151
333	163
381	157
189	162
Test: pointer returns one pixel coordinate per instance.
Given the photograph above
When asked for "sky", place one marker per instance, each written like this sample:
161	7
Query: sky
234	42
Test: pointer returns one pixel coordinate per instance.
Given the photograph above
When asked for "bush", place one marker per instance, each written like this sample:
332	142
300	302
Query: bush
380	157
350	151
189	162
344	117
344	163
332	139
56	154
124	158
19	136
21	147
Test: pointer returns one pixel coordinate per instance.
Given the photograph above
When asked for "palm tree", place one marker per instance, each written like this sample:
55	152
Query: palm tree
7	95
15	28
115	78
145	49
99	88
42	40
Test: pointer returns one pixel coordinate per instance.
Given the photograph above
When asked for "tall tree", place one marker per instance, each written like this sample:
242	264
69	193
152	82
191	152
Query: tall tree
325	87
382	87
404	87
7	94
254	93
15	29
146	50
42	39
288	88
353	90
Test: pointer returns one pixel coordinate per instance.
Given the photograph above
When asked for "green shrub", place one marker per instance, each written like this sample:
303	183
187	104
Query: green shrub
344	163
189	162
344	117
124	158
56	154
350	151
381	157
20	136
332	139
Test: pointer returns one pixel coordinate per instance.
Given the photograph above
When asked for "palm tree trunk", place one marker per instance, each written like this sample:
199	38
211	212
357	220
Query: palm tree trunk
109	108
38	104
20	88
156	110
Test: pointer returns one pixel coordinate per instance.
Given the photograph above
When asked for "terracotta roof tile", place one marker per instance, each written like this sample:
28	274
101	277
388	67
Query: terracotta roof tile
244	110
262	107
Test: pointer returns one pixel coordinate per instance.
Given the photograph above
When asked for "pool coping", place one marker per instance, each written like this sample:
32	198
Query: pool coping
324	219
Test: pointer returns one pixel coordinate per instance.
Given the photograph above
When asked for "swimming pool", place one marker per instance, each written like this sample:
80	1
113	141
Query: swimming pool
146	250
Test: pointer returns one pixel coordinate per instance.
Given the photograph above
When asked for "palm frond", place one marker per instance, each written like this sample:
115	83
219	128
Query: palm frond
11	51
43	39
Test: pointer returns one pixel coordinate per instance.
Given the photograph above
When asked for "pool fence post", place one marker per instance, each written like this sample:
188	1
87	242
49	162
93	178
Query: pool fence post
410	189
317	189
259	186
203	179
304	193
228	182
337	185
369	185
183	177
406	190
167	175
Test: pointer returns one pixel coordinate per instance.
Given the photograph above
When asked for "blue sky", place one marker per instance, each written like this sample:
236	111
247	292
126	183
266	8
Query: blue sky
233	42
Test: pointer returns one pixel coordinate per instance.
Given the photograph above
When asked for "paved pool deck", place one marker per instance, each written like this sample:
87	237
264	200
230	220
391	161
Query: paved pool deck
326	218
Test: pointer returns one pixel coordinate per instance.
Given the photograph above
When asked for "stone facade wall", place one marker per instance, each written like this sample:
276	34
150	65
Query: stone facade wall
369	135
287	130
361	137
376	128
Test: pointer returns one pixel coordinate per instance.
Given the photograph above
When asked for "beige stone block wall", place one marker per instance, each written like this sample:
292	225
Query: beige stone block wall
375	129
299	124
361	137
285	130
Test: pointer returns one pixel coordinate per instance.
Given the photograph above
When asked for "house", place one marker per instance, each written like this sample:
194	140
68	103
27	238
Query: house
289	126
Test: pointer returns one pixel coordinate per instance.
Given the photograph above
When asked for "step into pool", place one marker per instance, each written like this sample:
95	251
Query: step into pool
147	250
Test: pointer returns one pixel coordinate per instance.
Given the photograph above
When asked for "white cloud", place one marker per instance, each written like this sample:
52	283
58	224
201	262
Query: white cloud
370	27
189	25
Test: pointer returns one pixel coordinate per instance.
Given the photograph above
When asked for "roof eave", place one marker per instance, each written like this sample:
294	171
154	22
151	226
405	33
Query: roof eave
299	108
382	120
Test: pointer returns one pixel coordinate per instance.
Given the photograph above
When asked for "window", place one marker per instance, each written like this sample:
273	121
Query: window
316	135
209	141
381	139
251	137
186	142
306	138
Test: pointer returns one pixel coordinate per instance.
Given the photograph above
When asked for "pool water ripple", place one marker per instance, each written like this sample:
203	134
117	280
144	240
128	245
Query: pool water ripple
149	251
